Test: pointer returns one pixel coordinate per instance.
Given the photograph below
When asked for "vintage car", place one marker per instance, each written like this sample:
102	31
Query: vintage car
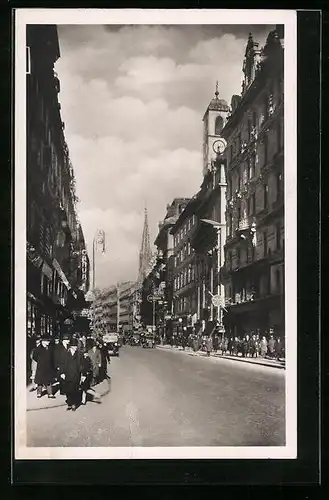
111	340
135	339
148	340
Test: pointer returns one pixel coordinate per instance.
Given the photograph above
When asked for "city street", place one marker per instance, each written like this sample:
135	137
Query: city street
167	398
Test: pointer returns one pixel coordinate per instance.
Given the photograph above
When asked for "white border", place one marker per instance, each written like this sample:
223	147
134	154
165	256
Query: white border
150	16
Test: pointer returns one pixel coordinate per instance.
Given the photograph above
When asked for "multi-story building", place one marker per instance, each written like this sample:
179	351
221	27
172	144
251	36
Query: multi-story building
165	269
184	286
113	308
57	261
254	249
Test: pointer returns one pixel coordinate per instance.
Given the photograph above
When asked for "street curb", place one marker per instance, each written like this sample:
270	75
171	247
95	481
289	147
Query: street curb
103	393
280	367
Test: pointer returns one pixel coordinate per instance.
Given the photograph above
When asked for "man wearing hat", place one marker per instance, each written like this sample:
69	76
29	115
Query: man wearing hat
60	352
45	371
71	373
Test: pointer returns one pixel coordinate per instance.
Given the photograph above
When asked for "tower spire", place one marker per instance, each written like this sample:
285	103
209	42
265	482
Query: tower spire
145	253
217	93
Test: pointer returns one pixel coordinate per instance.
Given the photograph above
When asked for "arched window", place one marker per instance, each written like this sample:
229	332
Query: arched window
218	125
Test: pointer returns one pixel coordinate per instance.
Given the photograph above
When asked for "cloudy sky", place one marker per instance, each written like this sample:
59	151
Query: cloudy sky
133	98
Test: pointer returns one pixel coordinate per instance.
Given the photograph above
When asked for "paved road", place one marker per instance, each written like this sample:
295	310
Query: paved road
165	398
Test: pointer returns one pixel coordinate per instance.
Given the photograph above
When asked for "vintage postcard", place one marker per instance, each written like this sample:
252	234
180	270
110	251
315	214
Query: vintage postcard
155	234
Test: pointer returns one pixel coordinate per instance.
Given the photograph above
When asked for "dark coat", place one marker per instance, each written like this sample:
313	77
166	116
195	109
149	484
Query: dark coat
87	371
60	354
72	367
45	372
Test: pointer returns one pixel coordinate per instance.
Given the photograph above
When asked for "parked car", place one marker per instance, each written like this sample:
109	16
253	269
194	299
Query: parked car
112	343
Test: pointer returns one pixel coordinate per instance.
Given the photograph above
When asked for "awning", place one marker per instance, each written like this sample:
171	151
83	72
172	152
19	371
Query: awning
61	274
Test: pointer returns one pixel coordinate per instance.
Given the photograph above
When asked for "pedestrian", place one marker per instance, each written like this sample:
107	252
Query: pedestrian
237	346
86	376
230	346
225	346
271	345
45	371
34	364
72	371
60	352
96	359
278	348
105	357
216	342
209	345
263	346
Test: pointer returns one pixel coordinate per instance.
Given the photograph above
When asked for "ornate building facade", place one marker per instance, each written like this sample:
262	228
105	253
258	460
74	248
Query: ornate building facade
57	260
254	251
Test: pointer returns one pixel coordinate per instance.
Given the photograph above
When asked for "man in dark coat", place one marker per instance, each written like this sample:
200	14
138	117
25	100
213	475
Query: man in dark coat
105	357
45	371
96	359
60	353
72	371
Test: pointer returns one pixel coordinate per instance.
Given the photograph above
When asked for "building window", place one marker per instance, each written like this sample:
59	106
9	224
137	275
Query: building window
248	206
278	186
219	125
229	224
265	141
254	119
265	243
229	194
252	165
278	136
239	215
277	280
238	181
238	256
278	236
253	204
265	196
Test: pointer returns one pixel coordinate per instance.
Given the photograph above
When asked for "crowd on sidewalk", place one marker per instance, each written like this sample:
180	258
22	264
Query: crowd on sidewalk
248	346
74	365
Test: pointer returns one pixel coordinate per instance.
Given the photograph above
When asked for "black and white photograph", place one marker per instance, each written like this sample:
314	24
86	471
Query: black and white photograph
155	234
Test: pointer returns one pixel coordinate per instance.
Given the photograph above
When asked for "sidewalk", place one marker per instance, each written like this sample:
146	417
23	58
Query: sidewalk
43	403
256	361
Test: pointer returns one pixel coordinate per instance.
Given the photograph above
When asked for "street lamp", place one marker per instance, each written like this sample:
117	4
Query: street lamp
220	292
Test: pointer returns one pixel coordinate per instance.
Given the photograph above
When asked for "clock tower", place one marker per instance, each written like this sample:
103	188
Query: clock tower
213	122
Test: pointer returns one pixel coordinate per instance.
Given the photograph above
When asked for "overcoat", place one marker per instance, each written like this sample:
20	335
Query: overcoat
45	372
60	354
72	368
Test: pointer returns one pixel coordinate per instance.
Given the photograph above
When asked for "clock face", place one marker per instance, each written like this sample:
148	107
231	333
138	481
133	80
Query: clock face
219	145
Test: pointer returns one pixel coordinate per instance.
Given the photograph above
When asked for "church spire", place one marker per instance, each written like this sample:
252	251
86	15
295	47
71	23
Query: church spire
217	93
145	253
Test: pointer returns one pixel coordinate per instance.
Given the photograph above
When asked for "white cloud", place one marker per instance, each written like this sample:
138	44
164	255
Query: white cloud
133	98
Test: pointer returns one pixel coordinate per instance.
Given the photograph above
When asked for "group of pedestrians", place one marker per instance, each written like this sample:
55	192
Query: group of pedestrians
74	363
252	345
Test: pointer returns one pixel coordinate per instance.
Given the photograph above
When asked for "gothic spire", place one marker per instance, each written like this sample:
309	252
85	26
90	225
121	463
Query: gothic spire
217	93
145	253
